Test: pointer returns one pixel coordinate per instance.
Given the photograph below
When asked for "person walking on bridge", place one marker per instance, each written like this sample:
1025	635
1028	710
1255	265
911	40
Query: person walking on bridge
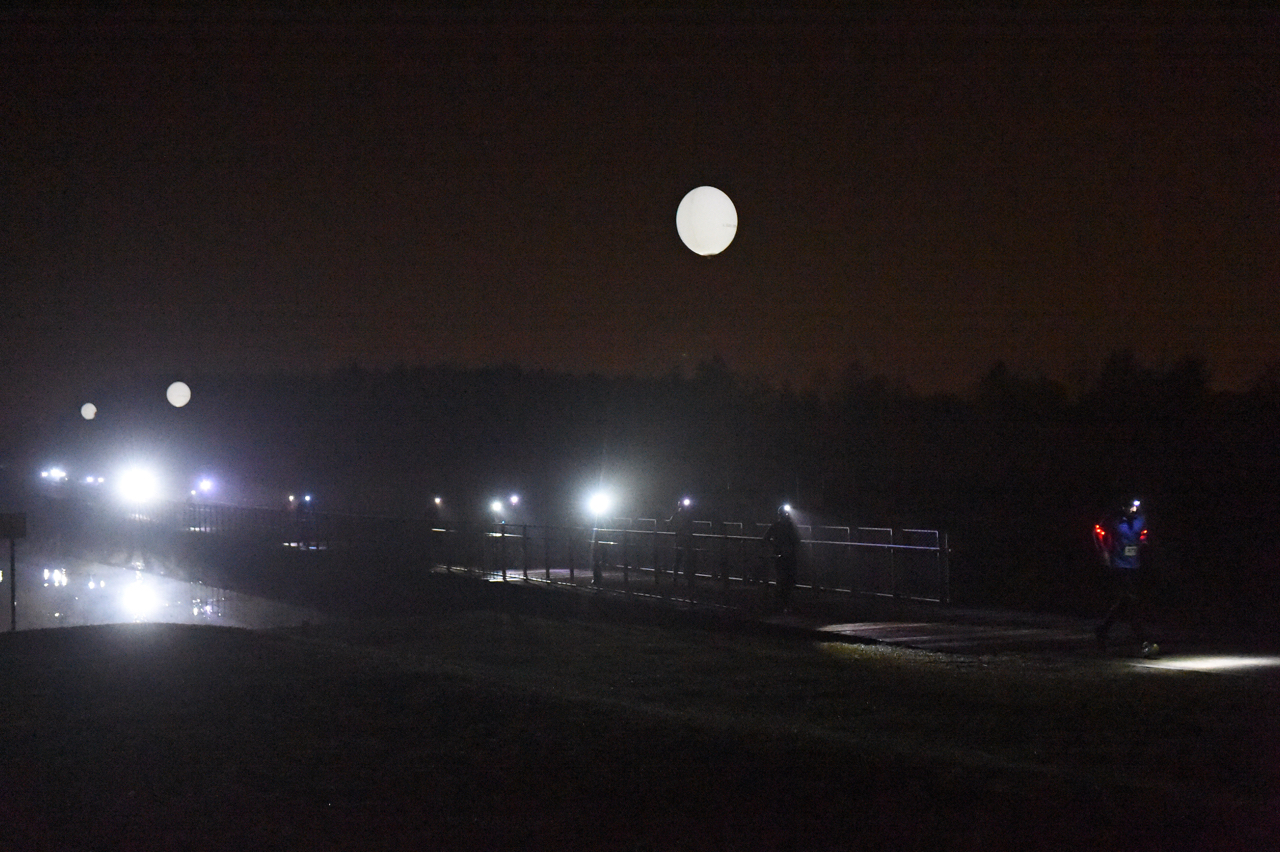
784	538
681	524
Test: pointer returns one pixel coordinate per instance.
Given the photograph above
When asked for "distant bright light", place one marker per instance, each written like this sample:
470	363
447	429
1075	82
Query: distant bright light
706	220
139	485
438	501
496	506
686	502
139	600
88	411
599	503
206	485
178	394
515	498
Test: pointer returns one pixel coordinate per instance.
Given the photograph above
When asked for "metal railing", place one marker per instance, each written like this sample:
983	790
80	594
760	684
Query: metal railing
901	563
879	561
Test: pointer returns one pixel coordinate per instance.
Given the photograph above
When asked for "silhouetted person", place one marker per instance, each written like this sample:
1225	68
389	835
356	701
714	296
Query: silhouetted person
681	523
599	562
1119	540
783	537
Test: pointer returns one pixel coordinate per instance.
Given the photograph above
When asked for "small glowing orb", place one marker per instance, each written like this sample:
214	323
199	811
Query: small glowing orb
178	394
88	411
496	506
706	221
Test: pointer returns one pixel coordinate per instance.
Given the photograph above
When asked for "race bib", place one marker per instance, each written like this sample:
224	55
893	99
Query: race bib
1131	550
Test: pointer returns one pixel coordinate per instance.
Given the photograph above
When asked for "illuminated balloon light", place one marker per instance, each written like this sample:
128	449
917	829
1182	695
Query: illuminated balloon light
88	411
706	220
178	394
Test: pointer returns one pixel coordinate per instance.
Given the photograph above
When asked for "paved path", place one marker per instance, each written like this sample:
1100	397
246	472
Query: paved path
914	624
925	625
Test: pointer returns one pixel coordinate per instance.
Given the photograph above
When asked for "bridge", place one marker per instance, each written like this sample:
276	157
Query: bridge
325	563
87	562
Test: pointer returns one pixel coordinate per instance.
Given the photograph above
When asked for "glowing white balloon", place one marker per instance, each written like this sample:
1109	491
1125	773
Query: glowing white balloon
178	394
706	220
88	411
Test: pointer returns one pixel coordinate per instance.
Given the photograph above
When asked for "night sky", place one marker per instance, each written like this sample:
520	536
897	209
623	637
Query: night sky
921	194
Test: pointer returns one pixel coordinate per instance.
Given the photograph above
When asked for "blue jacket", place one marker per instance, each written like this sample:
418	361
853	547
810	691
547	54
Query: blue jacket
1127	537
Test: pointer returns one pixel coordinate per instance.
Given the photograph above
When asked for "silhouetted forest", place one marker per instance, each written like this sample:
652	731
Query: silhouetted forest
1015	471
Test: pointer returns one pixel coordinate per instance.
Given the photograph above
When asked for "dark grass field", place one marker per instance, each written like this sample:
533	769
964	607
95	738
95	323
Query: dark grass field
483	729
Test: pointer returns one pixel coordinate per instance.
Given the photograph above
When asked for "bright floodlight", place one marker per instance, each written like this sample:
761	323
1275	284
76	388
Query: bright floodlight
206	485
496	506
599	503
139	600
178	394
88	411
139	485
515	498
706	221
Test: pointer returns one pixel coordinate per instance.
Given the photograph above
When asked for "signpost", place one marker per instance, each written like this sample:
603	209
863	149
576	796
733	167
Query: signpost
13	526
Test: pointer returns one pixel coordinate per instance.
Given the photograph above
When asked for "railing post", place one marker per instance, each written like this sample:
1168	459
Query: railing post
524	549
944	558
654	541
893	564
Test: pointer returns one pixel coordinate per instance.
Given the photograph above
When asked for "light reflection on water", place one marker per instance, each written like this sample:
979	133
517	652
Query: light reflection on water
70	593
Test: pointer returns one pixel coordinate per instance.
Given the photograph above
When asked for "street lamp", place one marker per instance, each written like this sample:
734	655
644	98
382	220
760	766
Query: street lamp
599	503
138	485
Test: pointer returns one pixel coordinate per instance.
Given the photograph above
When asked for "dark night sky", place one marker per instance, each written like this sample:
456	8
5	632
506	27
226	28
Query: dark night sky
923	194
